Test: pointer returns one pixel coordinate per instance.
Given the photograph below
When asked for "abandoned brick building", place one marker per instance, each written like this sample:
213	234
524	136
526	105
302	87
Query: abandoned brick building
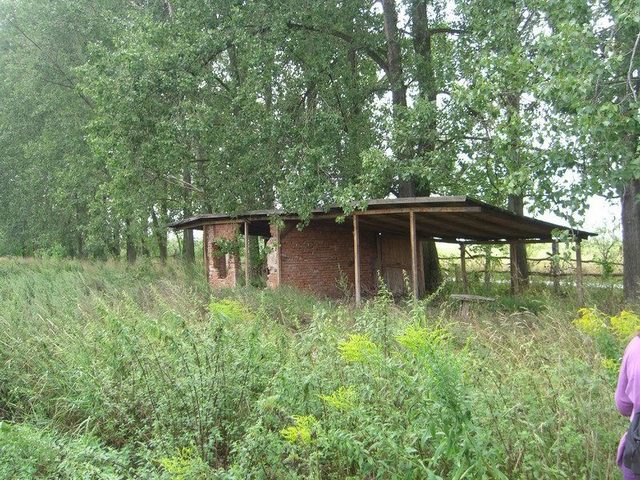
327	256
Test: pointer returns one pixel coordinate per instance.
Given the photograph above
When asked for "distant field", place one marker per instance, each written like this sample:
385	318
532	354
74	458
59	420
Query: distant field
110	371
601	263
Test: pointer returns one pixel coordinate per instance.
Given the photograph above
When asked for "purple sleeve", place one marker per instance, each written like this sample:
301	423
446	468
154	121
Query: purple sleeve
628	389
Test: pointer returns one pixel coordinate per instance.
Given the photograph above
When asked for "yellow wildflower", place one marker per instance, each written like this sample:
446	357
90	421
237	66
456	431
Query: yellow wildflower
626	324
302	429
358	348
342	399
590	321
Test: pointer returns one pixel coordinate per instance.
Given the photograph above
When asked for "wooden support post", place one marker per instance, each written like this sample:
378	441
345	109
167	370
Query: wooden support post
356	259
579	285
205	251
487	267
378	256
246	254
555	251
278	257
463	268
414	254
513	267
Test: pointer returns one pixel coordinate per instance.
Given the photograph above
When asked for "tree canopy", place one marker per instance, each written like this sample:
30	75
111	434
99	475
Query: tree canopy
119	116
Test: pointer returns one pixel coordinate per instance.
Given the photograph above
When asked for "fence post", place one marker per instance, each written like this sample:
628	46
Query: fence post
579	284
487	267
463	268
513	267
555	250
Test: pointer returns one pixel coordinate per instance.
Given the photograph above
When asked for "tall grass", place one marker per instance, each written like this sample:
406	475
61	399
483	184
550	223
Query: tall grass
108	371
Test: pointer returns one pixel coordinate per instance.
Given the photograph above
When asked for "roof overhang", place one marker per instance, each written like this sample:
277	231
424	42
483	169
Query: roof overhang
448	219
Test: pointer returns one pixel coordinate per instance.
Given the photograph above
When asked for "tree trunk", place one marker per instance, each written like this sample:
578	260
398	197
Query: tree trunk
80	215
406	186
115	243
201	160
513	98
425	74
425	146
518	250
188	249
132	253
394	56
487	268
631	240
79	244
431	265
160	232
144	248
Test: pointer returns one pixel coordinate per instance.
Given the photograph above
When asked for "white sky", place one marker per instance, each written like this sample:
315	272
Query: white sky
602	213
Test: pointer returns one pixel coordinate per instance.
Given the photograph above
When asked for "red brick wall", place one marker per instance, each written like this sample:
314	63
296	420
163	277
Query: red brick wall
316	258
216	264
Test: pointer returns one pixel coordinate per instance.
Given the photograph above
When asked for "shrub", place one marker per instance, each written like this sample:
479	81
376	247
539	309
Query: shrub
625	324
185	464
113	371
228	308
27	452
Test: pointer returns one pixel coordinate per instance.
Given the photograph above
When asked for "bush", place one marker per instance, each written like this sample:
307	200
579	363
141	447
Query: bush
27	452
112	371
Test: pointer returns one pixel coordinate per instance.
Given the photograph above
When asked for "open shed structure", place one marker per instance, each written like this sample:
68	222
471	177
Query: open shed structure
327	256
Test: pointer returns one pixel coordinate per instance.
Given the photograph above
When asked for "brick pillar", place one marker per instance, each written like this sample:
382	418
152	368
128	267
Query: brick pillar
222	269
274	263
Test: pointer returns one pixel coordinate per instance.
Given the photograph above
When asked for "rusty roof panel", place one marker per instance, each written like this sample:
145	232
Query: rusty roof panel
450	218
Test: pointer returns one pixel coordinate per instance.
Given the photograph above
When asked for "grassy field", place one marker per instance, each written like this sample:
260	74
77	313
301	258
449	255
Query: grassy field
109	371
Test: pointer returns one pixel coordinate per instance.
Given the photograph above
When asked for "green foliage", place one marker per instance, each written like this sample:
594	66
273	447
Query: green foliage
229	309
625	325
343	398
418	339
609	333
359	349
186	464
227	246
594	95
120	116
593	322
303	430
111	371
590	321
28	452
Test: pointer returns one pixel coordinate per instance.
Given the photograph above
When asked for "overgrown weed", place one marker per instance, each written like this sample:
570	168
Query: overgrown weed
111	371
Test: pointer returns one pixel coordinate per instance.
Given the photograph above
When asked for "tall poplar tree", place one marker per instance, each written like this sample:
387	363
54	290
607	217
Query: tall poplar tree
594	84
